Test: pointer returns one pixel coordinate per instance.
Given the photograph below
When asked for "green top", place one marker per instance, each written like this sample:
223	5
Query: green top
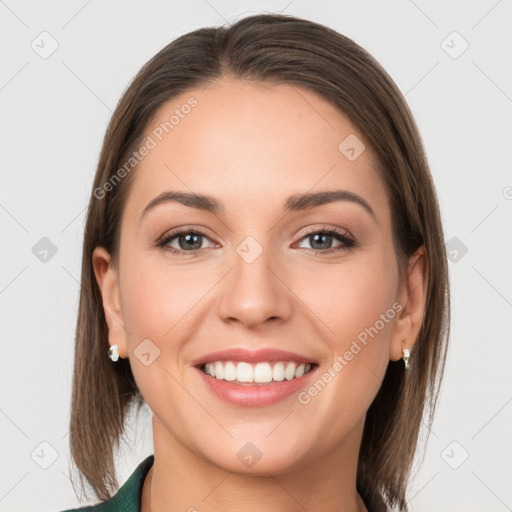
128	497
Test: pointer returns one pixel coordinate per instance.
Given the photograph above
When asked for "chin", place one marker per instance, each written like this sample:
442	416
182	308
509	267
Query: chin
258	457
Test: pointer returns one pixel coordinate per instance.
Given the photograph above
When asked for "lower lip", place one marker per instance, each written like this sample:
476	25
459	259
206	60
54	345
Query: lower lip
257	395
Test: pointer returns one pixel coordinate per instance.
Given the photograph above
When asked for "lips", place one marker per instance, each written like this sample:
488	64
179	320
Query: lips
261	391
252	356
241	394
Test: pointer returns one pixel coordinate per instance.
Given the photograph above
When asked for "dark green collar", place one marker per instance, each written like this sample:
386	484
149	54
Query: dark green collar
128	497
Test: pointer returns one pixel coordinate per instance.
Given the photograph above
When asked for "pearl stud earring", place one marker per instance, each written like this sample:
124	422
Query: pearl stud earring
113	353
406	356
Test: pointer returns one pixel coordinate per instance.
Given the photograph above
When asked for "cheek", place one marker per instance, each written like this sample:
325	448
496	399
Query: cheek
156	296
157	305
356	303
353	301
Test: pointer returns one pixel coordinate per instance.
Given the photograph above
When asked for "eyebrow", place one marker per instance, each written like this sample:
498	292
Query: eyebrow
294	203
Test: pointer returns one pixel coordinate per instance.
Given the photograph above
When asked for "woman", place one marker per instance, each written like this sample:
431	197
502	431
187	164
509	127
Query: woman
264	265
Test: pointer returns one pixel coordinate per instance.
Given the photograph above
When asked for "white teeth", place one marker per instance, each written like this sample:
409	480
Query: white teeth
289	372
262	372
278	372
244	372
219	370
259	373
230	371
299	372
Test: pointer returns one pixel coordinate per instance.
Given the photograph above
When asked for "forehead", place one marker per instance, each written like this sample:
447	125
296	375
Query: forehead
250	143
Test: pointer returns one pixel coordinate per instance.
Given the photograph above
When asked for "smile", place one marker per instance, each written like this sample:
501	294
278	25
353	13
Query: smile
260	373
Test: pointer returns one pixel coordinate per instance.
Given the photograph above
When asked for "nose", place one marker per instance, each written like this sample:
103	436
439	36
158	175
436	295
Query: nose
255	293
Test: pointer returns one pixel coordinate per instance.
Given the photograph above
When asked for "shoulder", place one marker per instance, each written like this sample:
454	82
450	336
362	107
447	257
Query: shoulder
128	497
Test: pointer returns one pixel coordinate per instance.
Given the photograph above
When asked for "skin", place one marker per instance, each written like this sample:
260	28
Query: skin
252	146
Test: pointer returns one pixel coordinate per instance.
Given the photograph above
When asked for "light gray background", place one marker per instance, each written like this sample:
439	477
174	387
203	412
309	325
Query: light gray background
54	113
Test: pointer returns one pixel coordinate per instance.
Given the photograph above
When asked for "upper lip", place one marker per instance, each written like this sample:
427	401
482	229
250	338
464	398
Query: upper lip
251	356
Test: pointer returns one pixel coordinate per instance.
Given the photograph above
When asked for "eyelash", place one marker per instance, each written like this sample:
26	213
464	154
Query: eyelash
348	242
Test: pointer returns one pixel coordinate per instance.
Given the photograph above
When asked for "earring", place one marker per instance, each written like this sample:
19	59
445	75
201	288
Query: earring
406	356
113	353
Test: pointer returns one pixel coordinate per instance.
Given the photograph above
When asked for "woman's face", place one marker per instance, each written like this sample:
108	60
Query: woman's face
263	271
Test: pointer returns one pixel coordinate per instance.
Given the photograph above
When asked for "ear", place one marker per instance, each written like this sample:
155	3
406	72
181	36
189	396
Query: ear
412	297
108	282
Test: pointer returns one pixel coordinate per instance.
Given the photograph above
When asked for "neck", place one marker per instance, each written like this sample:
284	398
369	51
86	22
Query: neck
182	480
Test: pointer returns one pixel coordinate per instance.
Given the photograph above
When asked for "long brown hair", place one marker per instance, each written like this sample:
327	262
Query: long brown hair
272	49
